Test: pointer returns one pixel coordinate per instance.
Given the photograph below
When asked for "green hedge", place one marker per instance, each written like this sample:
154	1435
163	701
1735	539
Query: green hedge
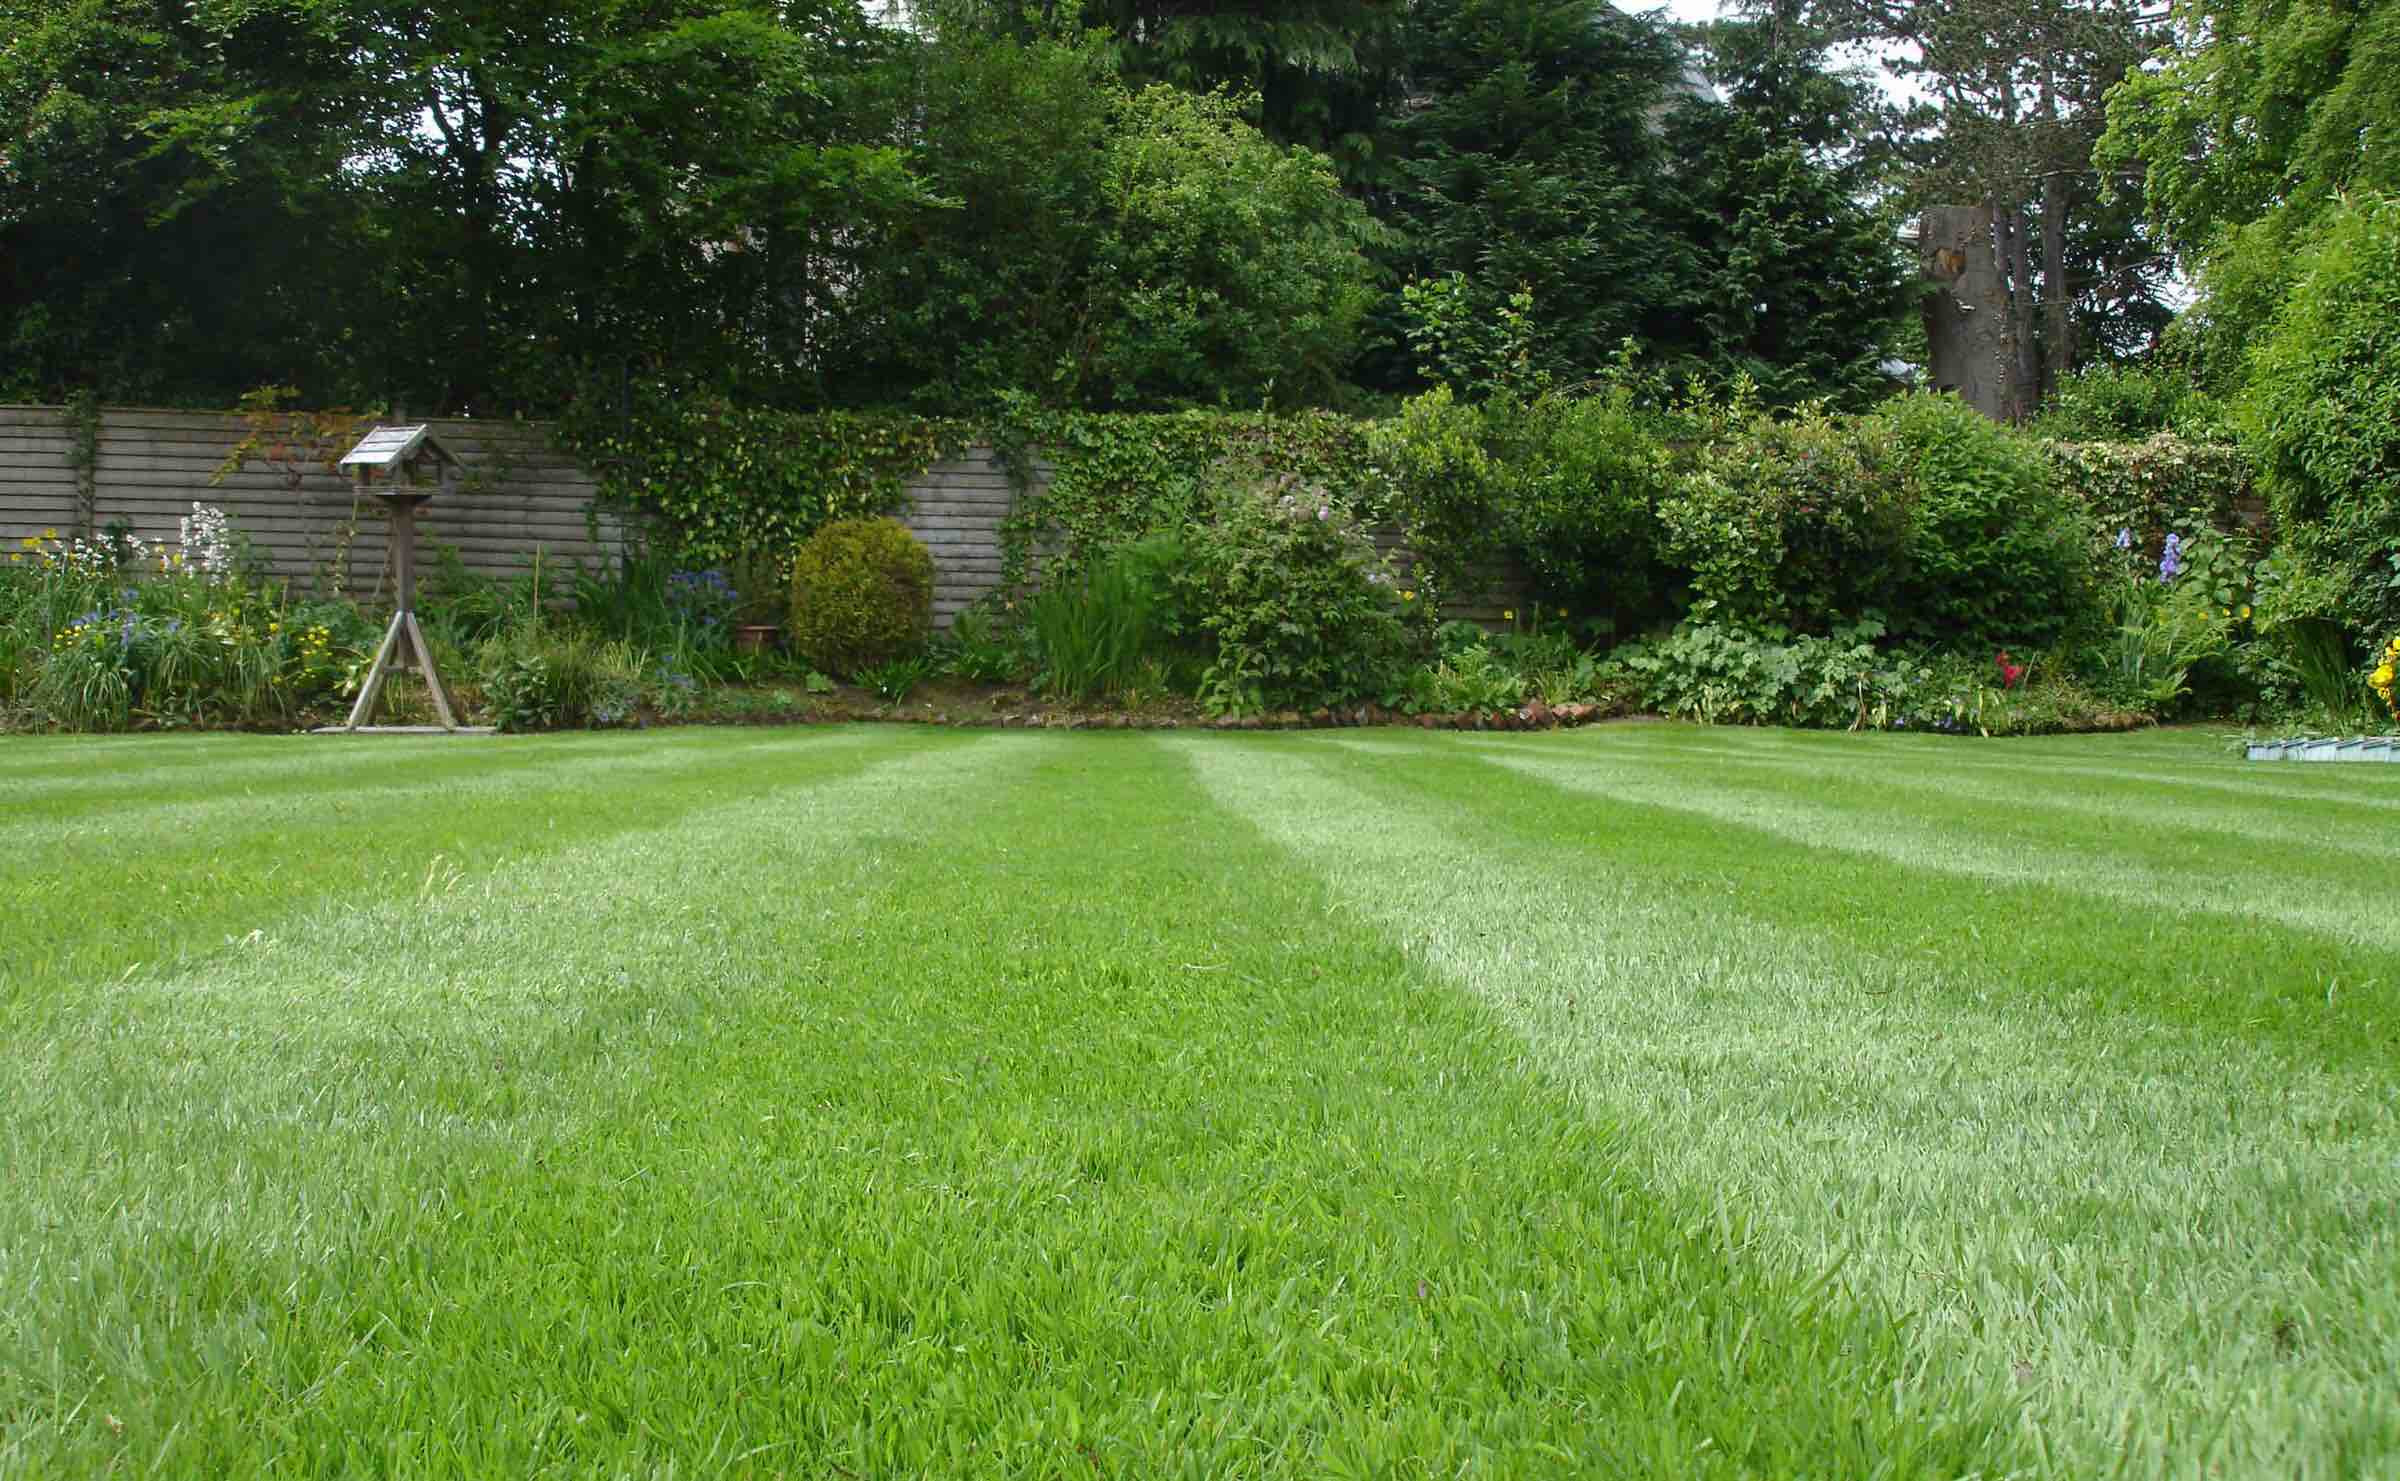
1946	527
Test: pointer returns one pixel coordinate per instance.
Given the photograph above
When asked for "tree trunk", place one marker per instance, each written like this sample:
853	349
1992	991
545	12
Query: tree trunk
2022	352
1966	313
2058	323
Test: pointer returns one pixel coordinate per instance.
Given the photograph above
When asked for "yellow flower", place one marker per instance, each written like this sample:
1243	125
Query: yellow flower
1408	596
2245	611
1510	615
49	534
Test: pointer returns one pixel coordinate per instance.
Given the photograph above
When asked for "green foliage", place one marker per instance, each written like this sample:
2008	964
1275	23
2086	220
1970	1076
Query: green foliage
2161	483
514	203
1095	626
2158	627
119	634
862	594
717	484
1298	605
1802	284
983	650
1102	247
1113	479
1997	554
1564	484
1719	674
2263	116
892	679
541	672
1532	165
1799	522
2321	416
2125	403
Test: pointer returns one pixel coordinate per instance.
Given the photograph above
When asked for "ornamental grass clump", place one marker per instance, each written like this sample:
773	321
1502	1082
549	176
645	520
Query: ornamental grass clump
862	594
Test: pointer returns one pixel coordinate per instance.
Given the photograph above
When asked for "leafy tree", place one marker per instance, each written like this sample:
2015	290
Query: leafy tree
2016	93
1806	282
1532	161
1561	150
1105	247
662	186
174	220
1323	71
462	205
2321	415
2262	115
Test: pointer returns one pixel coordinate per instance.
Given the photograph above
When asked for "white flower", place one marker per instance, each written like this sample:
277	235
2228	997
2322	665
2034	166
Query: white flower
207	536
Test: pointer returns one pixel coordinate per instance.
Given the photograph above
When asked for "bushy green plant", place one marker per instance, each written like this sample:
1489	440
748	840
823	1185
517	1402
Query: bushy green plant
979	649
2161	483
553	676
1996	553
106	635
1719	674
2165	616
1799	522
1300	608
862	594
891	680
2125	403
1094	626
2321	414
1564	484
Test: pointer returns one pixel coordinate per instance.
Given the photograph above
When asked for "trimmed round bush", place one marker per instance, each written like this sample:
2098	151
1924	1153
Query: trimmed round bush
862	594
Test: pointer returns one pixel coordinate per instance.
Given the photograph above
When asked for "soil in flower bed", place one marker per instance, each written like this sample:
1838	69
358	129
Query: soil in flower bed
951	702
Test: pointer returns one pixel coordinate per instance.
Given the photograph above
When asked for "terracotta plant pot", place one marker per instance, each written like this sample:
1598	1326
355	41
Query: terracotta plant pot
755	637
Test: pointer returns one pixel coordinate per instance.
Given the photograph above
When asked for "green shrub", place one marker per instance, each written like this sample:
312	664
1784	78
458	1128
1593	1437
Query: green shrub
1997	554
2162	483
1564	485
1299	607
981	650
541	675
118	633
2320	413
1717	674
1096	626
1800	523
862	594
2125	403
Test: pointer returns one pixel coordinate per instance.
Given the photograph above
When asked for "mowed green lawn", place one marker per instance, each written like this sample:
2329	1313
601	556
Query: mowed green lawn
1643	1100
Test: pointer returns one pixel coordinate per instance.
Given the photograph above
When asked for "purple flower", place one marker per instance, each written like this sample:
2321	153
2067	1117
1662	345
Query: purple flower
2170	565
2124	539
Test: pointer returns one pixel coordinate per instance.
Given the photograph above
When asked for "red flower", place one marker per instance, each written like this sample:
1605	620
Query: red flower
2010	673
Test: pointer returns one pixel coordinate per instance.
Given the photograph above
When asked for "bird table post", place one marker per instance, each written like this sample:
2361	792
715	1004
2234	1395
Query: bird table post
402	455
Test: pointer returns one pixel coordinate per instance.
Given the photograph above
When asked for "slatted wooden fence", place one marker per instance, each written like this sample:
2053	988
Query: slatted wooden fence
151	467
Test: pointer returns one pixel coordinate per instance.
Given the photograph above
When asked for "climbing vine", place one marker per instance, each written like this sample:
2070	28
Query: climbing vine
721	484
81	414
1086	482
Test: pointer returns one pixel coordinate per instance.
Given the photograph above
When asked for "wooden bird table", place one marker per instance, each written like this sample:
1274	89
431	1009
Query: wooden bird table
402	457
